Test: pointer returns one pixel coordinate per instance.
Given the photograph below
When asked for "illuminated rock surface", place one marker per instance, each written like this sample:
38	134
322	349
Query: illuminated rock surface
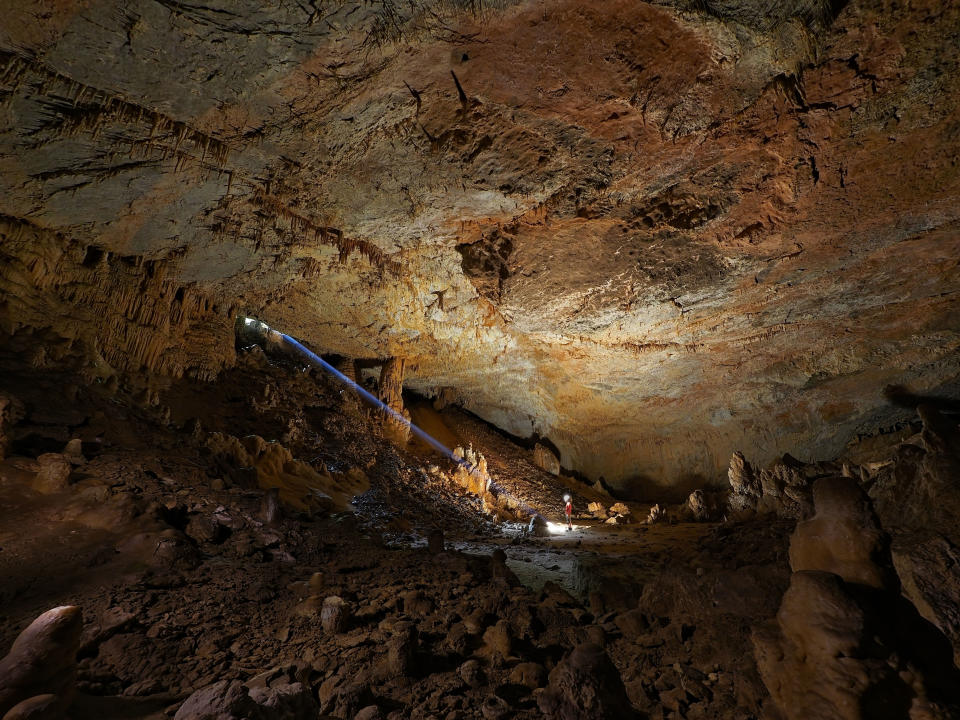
693	263
653	233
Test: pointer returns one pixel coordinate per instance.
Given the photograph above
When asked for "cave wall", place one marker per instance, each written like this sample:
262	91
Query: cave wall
651	232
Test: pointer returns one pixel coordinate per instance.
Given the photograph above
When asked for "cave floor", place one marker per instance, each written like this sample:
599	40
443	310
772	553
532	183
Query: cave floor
183	580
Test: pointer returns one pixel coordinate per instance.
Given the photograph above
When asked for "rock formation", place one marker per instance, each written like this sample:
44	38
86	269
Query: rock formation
672	230
844	643
38	673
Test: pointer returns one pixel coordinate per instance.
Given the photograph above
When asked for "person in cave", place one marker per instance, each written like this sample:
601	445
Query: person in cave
568	509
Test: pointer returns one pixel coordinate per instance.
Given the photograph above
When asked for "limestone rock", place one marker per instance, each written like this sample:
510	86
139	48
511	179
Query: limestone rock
471	672
585	685
54	473
282	700
335	614
402	649
39	707
530	674
843	537
929	574
744	487
42	660
538	526
73	452
657	514
498	641
543	457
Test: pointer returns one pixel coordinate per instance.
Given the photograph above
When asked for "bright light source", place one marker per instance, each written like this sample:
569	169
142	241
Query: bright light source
249	321
559	528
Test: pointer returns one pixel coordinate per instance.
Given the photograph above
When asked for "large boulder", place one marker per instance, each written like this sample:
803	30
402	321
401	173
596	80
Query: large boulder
585	685
43	660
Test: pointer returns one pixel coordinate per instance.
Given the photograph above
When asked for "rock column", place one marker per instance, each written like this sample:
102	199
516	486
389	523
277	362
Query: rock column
391	394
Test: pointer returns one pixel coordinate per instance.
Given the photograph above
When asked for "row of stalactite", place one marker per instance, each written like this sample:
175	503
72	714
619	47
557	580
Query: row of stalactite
134	317
323	234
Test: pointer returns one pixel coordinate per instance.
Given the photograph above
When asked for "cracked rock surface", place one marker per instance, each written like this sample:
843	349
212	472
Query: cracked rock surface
650	232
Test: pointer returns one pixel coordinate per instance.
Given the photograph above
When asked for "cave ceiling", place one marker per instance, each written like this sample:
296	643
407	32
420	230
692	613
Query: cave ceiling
652	232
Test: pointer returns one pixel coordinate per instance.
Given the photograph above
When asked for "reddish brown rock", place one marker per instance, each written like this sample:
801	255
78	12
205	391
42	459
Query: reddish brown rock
42	661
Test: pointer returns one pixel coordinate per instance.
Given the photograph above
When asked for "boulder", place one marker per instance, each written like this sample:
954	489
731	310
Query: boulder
529	674
471	672
42	660
224	700
498	641
618	509
73	452
585	685
54	474
335	614
402	649
282	700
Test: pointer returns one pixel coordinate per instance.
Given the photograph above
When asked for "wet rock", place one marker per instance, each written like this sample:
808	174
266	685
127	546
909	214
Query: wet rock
843	537
585	685
544	458
42	659
335	614
54	474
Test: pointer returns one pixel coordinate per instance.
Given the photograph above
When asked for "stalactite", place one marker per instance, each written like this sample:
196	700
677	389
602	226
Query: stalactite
136	317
